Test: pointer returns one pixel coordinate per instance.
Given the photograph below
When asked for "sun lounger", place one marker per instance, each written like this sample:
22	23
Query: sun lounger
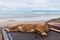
51	35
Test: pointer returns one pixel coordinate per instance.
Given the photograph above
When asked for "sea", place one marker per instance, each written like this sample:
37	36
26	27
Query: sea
29	16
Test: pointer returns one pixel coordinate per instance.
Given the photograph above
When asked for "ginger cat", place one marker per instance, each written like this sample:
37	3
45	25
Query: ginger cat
40	28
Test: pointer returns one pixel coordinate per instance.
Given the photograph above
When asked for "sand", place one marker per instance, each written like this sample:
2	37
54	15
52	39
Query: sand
12	23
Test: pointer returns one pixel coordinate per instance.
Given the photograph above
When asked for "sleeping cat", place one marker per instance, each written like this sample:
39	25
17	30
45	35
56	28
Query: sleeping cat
40	28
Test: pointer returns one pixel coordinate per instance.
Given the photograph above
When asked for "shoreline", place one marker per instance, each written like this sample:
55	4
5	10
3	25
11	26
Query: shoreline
15	21
30	18
8	23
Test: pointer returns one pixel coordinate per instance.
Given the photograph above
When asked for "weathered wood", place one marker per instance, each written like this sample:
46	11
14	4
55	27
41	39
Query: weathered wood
51	35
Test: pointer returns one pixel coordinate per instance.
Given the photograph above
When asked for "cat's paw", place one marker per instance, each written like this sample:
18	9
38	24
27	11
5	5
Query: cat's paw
44	34
7	29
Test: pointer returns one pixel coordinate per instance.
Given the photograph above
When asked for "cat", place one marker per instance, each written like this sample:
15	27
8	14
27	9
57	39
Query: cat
41	29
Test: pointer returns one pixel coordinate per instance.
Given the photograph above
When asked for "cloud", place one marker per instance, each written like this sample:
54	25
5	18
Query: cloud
33	4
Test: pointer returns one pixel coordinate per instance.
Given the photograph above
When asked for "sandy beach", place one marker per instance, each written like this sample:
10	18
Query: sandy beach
12	21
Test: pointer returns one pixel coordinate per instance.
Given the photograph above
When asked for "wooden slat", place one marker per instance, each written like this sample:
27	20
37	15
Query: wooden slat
51	35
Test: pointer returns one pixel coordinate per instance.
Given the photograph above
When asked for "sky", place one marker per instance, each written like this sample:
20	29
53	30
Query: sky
29	5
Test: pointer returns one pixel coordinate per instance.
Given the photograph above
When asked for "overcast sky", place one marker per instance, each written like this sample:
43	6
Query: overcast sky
29	5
